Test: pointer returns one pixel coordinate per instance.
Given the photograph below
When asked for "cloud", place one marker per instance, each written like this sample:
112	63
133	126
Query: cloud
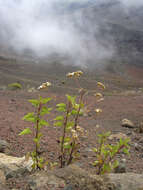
43	27
132	3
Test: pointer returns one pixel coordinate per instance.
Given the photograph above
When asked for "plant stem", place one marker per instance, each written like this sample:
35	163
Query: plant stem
37	132
78	111
64	133
75	126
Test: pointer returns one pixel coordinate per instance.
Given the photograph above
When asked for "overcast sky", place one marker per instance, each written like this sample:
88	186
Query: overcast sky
36	24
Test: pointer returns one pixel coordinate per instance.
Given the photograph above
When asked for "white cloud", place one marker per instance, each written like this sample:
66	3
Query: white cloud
132	3
35	24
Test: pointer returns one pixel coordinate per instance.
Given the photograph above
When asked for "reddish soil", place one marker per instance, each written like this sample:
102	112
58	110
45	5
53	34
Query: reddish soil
116	106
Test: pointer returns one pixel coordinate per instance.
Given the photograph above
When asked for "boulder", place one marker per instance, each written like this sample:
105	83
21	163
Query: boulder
14	166
126	181
127	123
69	178
73	178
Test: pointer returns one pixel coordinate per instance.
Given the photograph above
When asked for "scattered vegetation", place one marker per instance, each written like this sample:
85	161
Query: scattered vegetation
68	121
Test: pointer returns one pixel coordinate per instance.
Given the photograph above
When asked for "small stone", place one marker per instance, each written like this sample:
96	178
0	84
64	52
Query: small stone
3	87
121	168
89	114
32	89
137	147
141	155
69	187
127	123
117	136
79	164
61	185
141	140
140	129
88	150
129	133
4	146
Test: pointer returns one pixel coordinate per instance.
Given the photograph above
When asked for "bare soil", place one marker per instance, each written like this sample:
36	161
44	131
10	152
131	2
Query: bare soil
123	98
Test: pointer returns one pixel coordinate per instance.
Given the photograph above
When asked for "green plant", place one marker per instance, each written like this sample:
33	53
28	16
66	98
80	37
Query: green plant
71	131
106	153
37	119
69	141
15	85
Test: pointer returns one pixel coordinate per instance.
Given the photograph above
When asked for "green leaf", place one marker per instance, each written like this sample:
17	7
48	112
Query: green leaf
67	139
107	134
81	112
126	151
82	105
26	131
71	99
121	141
61	105
115	149
76	106
43	123
61	109
106	168
59	118
45	100
33	154
58	124
45	110
41	159
95	163
34	165
126	141
40	135
40	165
36	140
34	102
74	112
95	150
67	146
115	164
70	124
30	117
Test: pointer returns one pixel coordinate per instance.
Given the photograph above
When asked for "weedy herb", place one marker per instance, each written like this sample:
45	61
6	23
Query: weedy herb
106	153
69	141
37	119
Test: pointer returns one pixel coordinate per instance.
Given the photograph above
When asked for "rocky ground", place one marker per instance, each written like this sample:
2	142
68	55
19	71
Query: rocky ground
122	99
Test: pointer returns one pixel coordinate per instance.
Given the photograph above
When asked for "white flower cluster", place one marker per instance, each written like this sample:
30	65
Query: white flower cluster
44	85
